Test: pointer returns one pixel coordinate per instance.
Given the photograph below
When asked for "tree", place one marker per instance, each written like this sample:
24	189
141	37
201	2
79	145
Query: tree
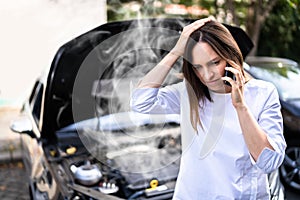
277	21
258	11
250	15
283	26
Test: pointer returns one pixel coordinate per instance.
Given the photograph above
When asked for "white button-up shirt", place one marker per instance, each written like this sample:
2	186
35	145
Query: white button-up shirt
215	162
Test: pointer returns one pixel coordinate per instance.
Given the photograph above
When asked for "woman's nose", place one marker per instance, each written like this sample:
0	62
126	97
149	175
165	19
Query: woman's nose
208	74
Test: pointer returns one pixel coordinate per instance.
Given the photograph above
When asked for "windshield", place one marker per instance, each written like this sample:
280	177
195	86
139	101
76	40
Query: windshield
285	77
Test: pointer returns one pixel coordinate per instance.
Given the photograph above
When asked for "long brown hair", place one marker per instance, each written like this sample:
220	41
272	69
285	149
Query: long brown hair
222	42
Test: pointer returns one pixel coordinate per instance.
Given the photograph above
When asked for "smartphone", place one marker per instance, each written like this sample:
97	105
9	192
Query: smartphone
228	74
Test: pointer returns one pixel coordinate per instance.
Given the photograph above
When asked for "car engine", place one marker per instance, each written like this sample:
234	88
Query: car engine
125	163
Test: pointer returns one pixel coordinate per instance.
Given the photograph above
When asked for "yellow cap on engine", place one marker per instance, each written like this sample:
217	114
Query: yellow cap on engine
154	183
71	150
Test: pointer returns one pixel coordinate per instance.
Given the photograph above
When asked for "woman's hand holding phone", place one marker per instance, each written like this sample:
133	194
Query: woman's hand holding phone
236	80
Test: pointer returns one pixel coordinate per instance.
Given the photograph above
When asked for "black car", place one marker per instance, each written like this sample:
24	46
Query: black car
285	75
80	139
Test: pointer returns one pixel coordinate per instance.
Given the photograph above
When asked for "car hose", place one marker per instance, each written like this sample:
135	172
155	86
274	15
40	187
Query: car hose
136	194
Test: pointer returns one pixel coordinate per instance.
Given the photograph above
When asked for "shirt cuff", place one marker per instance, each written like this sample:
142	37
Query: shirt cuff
268	160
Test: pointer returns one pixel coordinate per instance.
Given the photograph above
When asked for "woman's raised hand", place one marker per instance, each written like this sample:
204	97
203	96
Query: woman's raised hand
186	32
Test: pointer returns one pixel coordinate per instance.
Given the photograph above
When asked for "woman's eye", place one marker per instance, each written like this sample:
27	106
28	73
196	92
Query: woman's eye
197	66
216	62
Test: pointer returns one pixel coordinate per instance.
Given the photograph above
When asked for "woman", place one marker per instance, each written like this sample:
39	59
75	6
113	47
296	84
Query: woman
231	133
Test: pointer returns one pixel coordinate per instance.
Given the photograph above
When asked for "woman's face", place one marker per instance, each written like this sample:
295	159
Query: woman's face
209	67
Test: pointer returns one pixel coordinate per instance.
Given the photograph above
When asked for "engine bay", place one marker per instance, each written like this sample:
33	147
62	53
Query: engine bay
135	162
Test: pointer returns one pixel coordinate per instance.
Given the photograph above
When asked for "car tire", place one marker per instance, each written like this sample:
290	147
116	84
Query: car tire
290	168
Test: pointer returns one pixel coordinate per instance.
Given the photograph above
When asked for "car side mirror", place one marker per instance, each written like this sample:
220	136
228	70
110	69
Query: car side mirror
23	126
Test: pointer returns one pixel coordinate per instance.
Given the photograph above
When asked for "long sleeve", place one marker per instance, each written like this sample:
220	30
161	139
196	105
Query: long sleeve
164	100
270	120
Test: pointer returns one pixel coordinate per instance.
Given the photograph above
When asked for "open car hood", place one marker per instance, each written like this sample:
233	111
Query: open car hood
121	121
82	79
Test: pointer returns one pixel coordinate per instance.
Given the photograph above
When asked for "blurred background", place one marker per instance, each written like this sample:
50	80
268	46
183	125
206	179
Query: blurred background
31	33
33	30
273	25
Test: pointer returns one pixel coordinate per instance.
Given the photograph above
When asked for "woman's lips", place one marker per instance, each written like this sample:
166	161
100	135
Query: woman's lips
211	82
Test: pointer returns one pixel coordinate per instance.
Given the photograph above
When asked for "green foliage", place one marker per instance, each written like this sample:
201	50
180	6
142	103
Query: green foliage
132	9
280	35
128	9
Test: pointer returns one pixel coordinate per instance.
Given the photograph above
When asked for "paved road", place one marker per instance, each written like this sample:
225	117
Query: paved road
13	184
9	141
13	180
